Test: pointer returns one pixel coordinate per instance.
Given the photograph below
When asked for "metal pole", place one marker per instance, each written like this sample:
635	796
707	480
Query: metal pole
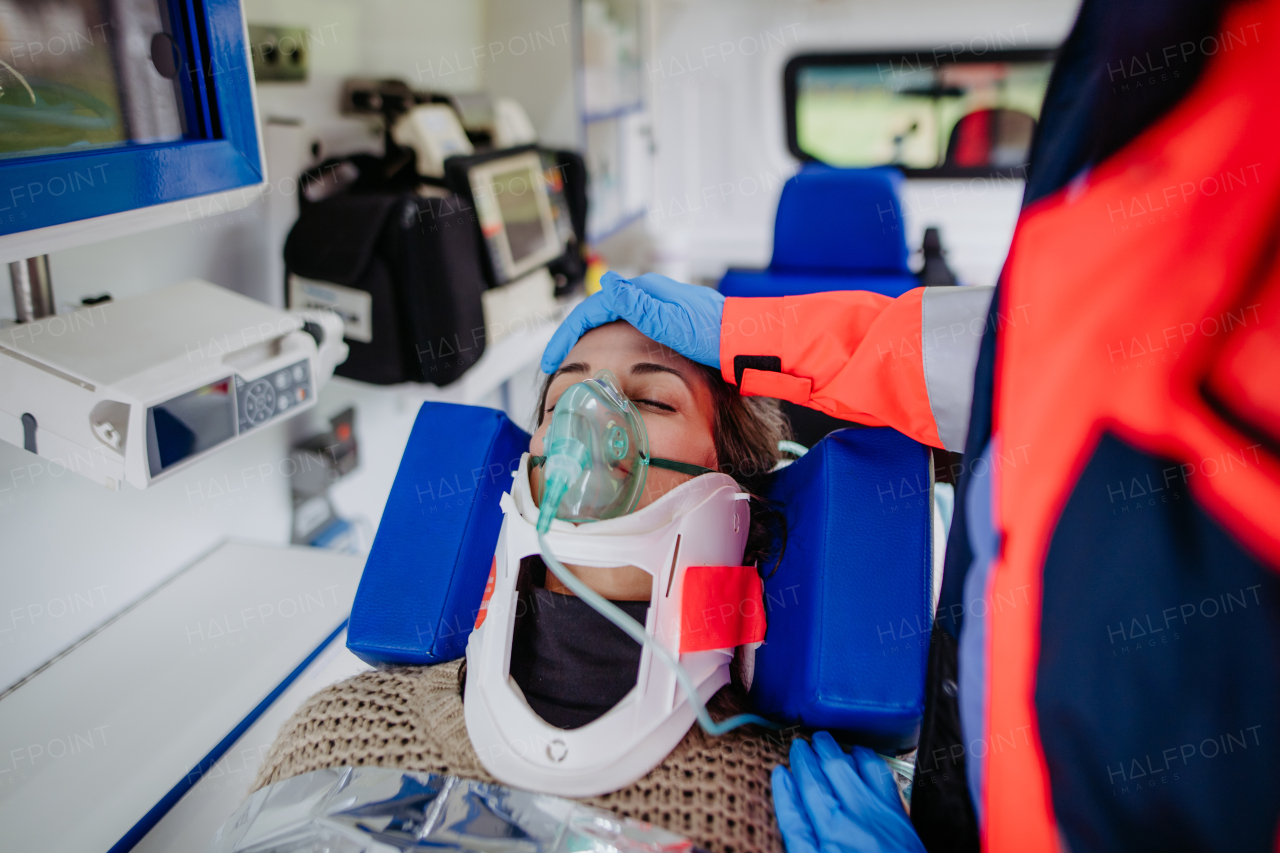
32	288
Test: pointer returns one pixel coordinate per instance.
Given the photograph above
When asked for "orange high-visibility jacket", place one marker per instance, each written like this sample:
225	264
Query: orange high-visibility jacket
1129	657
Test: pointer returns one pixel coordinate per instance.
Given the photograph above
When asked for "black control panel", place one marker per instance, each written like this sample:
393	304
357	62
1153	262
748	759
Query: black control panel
260	400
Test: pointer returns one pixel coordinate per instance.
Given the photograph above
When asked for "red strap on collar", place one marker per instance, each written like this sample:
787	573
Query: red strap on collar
722	607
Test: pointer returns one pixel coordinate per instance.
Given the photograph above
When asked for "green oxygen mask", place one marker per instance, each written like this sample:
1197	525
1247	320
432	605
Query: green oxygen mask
597	455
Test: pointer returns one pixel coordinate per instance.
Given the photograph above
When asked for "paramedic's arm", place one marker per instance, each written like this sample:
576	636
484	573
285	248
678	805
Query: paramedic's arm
907	363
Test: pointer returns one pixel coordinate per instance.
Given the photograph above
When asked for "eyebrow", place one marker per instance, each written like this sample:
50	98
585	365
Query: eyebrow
572	367
641	368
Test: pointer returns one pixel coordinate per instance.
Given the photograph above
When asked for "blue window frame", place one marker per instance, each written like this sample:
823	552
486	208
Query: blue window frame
213	146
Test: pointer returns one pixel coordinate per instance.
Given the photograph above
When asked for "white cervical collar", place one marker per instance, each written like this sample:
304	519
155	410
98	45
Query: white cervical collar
708	517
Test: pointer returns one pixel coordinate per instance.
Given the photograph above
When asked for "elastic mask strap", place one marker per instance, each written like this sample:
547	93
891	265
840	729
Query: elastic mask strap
655	461
680	467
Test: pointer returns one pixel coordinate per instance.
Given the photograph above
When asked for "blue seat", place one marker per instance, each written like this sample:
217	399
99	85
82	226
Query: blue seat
848	607
836	229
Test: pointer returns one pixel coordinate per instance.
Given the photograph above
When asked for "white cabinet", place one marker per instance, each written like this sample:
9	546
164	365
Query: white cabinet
616	128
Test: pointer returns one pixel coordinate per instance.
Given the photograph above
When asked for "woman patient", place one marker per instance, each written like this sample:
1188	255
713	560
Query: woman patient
570	664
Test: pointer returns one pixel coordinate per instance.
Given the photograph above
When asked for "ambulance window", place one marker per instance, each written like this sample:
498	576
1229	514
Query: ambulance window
932	114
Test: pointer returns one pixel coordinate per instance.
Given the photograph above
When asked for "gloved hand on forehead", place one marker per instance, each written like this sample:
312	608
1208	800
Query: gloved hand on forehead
684	317
830	802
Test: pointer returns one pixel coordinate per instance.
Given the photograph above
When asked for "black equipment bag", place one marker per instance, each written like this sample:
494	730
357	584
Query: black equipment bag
409	281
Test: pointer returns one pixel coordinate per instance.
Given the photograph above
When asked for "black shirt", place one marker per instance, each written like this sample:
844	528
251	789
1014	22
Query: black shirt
572	663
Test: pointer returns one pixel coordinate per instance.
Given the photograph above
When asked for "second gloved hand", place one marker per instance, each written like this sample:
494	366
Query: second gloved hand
685	317
830	802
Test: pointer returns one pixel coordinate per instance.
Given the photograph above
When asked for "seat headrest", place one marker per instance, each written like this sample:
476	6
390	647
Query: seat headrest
840	220
995	138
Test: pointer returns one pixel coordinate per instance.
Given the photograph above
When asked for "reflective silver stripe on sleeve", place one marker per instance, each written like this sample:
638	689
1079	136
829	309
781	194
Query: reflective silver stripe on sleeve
950	332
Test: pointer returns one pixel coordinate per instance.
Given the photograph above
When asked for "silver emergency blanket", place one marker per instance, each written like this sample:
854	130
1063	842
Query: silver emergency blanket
379	810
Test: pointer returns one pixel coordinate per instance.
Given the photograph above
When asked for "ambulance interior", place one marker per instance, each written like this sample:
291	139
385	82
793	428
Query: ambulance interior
182	578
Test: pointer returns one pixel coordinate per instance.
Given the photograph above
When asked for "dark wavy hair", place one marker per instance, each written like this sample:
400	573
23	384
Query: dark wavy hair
746	433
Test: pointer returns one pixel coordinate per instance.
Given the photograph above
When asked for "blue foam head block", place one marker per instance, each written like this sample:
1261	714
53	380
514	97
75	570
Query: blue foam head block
849	606
426	572
832	219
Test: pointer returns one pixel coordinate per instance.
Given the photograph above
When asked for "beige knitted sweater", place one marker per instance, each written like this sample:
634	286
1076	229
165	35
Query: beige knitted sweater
714	790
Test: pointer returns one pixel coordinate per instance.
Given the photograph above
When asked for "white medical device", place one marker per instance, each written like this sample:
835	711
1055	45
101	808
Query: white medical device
434	133
137	389
511	124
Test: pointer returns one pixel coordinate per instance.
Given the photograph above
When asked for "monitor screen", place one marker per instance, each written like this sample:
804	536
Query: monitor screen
516	216
520	212
81	74
189	424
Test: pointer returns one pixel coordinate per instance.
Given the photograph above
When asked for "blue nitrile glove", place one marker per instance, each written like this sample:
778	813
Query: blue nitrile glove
685	317
830	802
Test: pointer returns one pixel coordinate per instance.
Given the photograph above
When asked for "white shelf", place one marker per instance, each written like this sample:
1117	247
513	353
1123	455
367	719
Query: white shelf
615	226
190	825
104	739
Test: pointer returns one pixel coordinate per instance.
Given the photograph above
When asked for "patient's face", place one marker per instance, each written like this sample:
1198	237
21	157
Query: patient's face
668	390
678	411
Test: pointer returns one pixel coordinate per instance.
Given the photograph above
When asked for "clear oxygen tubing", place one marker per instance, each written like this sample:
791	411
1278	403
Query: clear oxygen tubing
629	626
795	448
902	767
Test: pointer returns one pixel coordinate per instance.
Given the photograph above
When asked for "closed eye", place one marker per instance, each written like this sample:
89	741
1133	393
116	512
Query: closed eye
655	404
662	407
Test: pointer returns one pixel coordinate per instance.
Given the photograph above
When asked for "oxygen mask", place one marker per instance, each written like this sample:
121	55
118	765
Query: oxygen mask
597	455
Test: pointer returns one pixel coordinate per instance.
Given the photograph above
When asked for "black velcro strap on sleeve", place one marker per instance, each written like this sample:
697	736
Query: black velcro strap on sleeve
771	363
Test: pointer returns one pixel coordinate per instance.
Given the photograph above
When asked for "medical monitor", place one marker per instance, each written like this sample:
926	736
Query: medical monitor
119	117
517	211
